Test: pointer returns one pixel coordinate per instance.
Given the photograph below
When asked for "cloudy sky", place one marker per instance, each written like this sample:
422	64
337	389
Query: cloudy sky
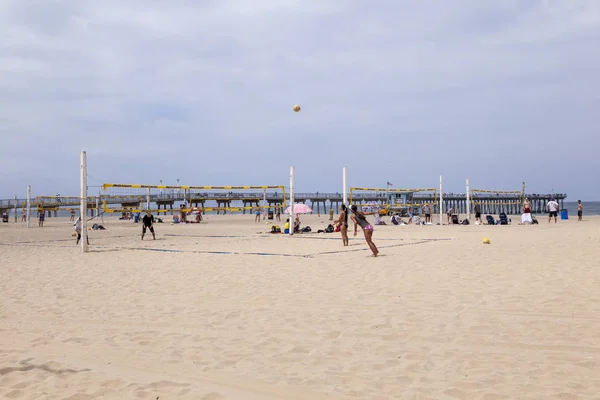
202	91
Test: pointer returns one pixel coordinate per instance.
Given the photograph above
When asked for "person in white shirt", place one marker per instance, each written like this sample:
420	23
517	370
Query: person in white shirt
553	210
78	231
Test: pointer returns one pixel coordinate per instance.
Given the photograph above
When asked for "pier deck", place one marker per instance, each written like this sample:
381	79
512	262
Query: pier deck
490	203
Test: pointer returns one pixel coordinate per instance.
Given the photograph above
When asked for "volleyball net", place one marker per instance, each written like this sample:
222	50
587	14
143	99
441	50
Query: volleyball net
394	198
122	198
496	197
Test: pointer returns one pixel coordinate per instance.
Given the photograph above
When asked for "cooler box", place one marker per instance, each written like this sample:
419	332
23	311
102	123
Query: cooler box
564	214
5	217
270	215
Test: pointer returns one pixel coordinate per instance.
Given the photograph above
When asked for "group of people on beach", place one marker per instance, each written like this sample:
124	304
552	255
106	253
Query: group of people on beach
552	207
359	219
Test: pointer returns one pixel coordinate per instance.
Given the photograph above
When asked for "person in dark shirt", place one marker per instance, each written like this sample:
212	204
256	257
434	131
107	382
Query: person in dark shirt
147	223
477	210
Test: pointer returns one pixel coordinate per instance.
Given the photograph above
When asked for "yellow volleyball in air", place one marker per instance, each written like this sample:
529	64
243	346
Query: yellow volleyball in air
296	107
486	241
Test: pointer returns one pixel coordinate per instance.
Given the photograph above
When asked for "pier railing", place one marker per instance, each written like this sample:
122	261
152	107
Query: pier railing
489	202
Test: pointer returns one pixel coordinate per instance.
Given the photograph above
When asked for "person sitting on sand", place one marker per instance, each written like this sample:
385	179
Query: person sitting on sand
360	220
147	223
198	213
286	226
377	218
397	220
297	223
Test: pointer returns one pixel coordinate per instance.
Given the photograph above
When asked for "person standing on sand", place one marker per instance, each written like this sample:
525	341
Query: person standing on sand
477	210
449	215
41	218
183	214
427	212
72	216
526	216
257	214
278	214
579	210
553	210
360	219
78	231
147	223
343	221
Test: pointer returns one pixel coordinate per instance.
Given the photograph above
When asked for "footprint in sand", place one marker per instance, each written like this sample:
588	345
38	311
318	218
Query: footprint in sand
14	394
333	334
212	396
456	394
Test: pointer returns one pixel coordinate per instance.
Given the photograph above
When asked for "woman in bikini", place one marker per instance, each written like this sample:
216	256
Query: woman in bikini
359	219
343	222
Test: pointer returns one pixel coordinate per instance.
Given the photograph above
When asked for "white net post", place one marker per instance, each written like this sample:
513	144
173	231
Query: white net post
291	201
28	206
344	188
83	204
148	199
98	205
468	202
98	202
441	203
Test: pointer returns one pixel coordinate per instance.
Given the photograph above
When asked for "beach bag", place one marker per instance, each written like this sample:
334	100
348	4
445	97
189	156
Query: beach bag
329	228
275	229
306	229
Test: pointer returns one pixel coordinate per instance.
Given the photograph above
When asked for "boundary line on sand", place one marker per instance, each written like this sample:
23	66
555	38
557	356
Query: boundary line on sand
206	236
214	252
311	255
382	247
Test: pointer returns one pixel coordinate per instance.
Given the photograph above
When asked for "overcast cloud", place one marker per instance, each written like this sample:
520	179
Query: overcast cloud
202	91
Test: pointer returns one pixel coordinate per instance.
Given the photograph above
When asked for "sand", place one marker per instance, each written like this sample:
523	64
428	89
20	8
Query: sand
439	315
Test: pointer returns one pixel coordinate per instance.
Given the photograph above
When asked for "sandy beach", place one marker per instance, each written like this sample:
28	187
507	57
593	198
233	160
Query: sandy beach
221	310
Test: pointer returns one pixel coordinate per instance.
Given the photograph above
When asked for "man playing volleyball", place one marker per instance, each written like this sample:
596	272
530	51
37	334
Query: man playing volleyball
148	222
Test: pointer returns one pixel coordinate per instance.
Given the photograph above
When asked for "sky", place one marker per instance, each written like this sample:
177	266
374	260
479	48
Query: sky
202	92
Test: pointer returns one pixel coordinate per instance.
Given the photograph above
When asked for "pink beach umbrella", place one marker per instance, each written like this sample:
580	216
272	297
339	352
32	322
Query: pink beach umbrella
299	208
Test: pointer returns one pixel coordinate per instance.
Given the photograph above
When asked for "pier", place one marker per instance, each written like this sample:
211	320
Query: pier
320	202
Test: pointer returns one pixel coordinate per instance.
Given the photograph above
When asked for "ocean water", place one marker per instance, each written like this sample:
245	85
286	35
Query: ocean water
589	208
